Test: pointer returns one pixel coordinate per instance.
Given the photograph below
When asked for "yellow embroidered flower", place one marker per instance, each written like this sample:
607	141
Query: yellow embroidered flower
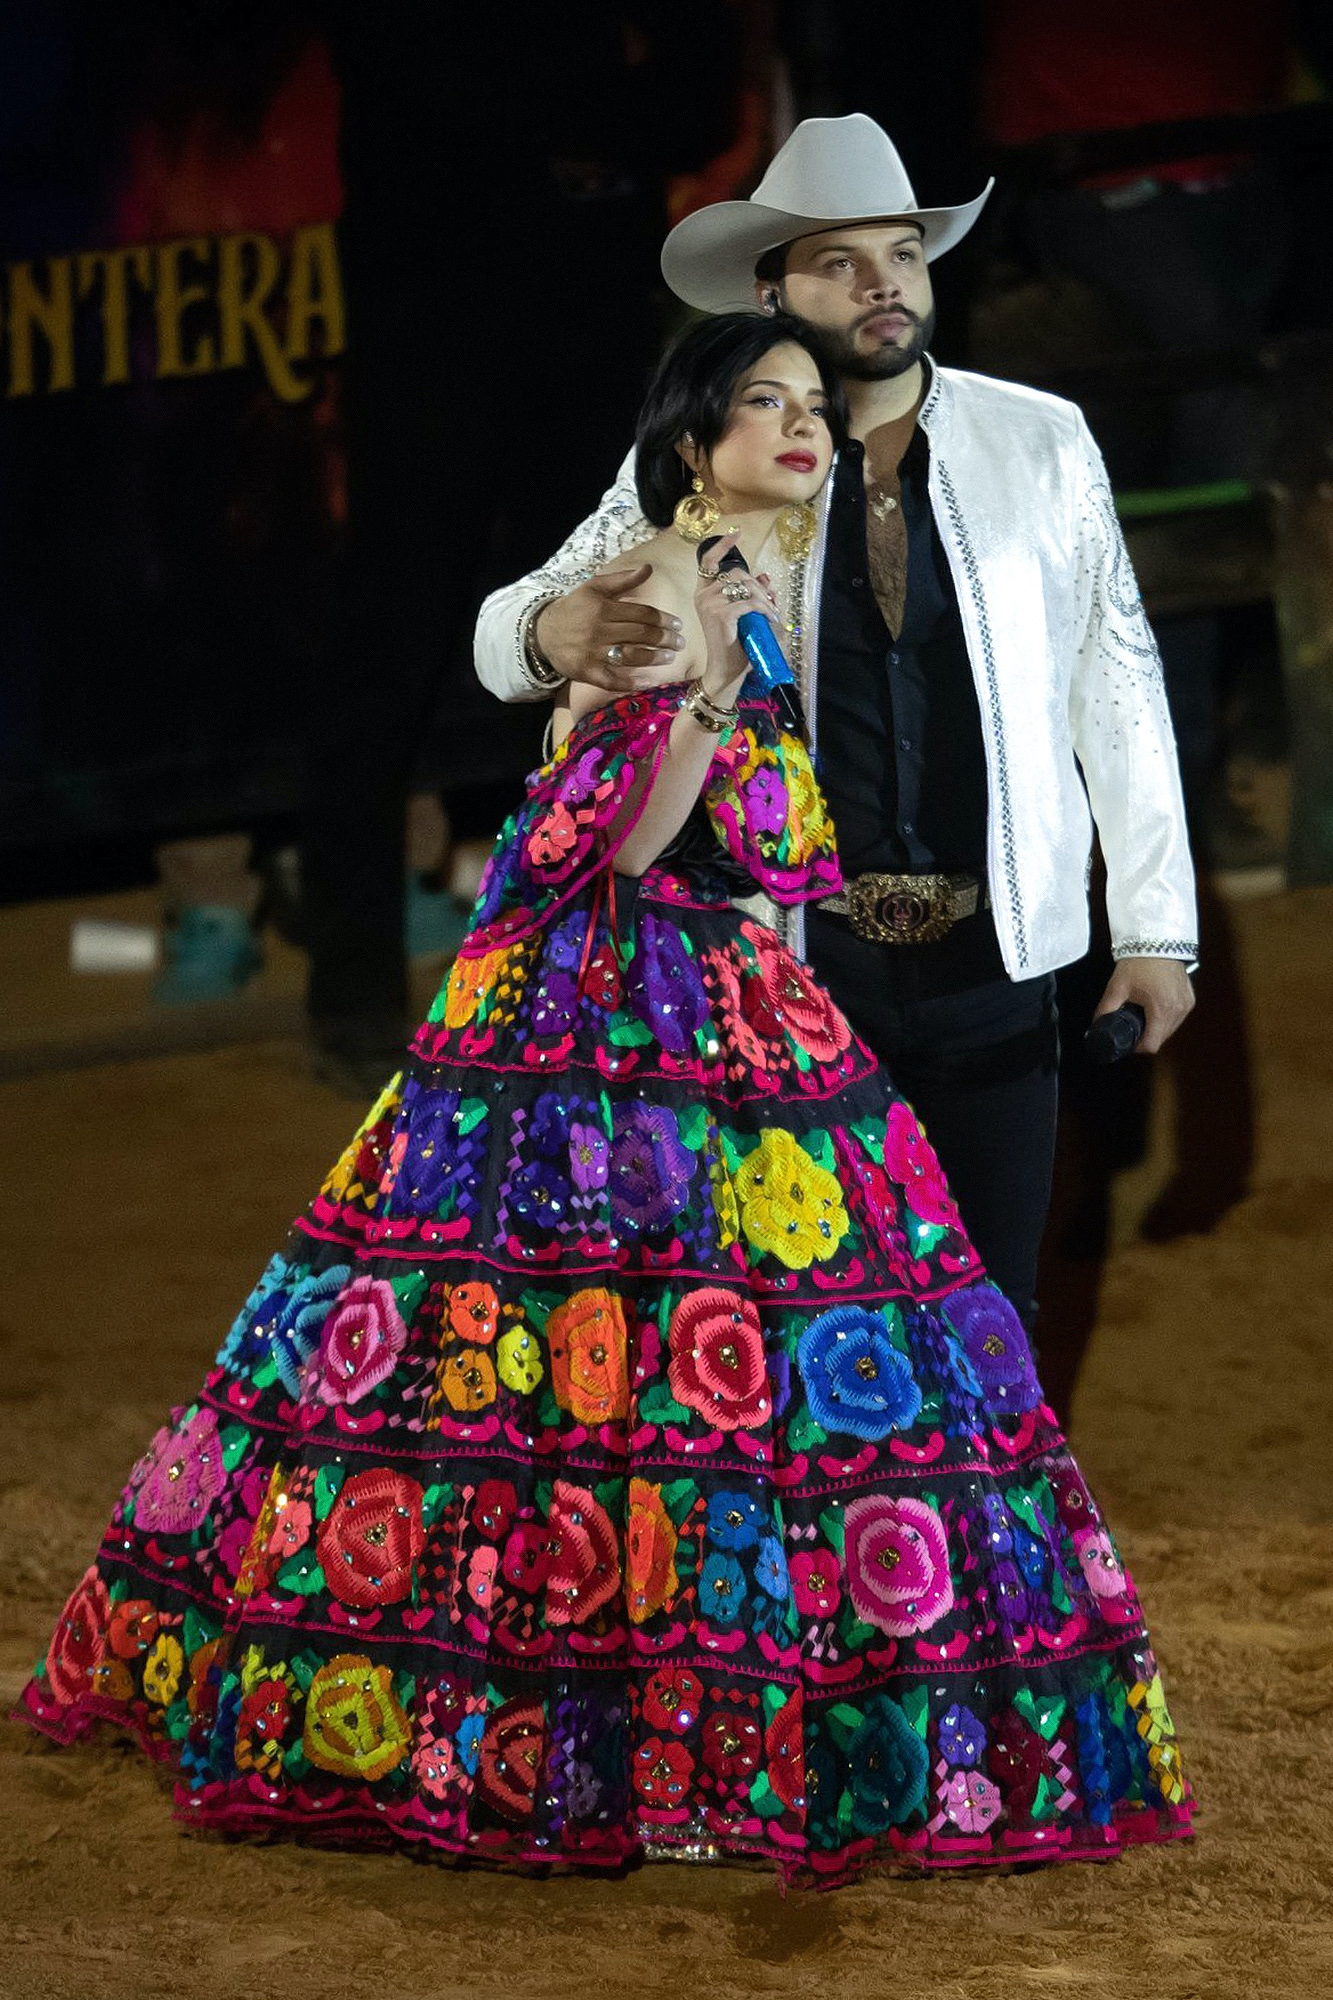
465	1378
469	982
518	1358
163	1668
1153	1720
789	1206
354	1722
807	817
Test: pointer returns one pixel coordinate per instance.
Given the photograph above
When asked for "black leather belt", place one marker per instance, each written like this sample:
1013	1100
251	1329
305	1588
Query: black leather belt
906	909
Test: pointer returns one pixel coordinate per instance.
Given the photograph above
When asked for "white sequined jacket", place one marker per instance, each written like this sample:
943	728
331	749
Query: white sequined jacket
1068	678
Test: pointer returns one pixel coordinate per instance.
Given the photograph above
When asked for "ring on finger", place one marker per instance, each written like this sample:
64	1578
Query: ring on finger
614	655
736	593
709	575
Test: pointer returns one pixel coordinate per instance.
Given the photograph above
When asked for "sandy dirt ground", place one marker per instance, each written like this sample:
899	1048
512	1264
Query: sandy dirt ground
143	1197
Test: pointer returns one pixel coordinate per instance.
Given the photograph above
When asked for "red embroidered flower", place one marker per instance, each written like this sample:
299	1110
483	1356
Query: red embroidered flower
494	1508
662	1771
784	1747
77	1642
717	1359
372	1538
800	1005
527	1556
585	1558
732	1744
262	1724
910	1160
816	1580
474	1313
554	835
512	1752
752	1044
133	1627
671	1699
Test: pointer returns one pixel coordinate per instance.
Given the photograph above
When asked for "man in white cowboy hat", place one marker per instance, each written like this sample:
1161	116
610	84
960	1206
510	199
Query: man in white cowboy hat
979	677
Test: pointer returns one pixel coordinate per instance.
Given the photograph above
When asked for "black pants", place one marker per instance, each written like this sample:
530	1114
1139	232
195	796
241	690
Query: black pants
975	1054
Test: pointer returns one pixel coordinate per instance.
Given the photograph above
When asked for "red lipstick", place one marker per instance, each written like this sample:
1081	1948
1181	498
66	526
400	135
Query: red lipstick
799	461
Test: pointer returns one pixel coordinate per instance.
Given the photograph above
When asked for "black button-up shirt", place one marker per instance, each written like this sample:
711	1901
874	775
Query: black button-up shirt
901	755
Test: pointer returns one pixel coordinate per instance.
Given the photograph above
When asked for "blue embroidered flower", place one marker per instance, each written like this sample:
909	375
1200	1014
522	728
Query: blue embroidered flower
238	1343
564	943
996	1346
999	1524
734	1520
888	1762
961	1737
825	1783
287	1328
856	1382
1031	1556
431	1121
469	1738
539	1194
721	1590
770	1570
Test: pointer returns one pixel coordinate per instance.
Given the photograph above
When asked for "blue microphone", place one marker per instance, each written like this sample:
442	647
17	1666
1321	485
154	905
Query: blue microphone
769	672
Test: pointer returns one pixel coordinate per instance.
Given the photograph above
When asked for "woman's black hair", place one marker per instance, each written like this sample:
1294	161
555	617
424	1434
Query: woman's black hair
693	390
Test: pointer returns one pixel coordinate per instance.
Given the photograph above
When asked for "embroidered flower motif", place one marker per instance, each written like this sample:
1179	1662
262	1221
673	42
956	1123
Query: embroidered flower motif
185	1479
585	1559
672	1698
971	1801
888	1763
589	1155
363	1337
1015	1759
163	1668
664	987
752	1049
555	1003
372	1538
717	1359
589	1370
527	1556
766	802
481	1567
430	1155
1072	1499
473	1313
734	1520
77	1642
721	1590
132	1628
111	1680
513	1749
288	1329
465	1377
897	1564
816	1581
856	1381
354	1722
910	1160
494	1507
731	1744
770	1570
650	1171
996	1345
292	1526
790	1207
553	838
434	1763
650	1552
798	1003
1100	1563
961	1737
808	828
539	1194
518	1358
784	1753
262	1725
469	982
662	1772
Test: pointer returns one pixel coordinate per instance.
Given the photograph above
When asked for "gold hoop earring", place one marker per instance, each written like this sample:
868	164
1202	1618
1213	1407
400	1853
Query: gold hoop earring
795	528
697	515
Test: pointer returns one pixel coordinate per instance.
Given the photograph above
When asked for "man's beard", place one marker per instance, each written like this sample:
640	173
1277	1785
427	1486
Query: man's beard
839	345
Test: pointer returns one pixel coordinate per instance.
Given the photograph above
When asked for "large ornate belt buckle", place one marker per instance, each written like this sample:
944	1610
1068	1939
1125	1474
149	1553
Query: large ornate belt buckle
900	909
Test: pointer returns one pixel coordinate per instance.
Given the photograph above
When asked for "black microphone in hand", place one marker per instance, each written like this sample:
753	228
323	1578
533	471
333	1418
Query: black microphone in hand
761	646
1114	1035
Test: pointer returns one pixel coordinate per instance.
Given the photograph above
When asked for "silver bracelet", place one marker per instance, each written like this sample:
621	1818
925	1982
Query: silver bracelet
538	668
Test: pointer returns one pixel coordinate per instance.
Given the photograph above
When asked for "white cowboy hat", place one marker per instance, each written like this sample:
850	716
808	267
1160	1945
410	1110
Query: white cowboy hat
831	170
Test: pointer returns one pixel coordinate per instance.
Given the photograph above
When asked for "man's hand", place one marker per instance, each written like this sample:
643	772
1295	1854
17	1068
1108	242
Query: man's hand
597	633
1161	986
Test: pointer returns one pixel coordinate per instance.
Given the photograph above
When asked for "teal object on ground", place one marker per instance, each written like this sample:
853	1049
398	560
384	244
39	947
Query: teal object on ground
211	952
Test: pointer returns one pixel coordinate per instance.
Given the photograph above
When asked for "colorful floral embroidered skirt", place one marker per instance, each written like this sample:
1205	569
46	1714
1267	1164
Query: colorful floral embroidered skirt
627	1456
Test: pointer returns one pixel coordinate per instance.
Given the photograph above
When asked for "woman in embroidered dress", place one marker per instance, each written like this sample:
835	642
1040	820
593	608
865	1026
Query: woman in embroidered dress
627	1454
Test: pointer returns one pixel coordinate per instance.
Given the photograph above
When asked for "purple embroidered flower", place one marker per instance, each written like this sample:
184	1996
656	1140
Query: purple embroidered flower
432	1144
581	778
555	1003
996	1345
564	944
765	802
185	1479
897	1564
971	1801
665	988
998	1524
855	1380
650	1171
583	1790
1009	1594
539	1194
589	1155
363	1337
548	1126
962	1739
1100	1563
